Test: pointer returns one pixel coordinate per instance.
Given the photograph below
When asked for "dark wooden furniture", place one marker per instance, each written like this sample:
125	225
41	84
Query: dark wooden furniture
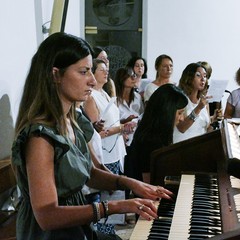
7	181
196	154
211	153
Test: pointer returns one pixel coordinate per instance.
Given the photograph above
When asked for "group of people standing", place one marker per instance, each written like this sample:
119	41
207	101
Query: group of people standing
79	132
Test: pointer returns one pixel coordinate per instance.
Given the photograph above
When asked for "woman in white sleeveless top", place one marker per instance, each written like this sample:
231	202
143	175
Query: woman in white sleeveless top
197	118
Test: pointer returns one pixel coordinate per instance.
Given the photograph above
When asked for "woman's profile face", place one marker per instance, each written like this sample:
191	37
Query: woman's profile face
77	81
101	73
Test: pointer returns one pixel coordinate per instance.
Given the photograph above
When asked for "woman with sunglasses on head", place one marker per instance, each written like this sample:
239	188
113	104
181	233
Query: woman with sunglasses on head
128	100
197	119
130	105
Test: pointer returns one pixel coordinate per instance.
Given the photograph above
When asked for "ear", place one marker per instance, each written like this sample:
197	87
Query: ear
56	77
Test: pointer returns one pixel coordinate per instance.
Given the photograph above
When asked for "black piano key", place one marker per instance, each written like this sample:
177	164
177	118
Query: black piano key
158	237
205	213
206	221
199	236
216	230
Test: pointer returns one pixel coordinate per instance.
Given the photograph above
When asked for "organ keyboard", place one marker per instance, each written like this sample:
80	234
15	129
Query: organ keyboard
208	155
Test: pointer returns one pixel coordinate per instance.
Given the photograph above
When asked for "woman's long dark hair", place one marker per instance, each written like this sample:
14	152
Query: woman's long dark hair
158	120
121	76
40	100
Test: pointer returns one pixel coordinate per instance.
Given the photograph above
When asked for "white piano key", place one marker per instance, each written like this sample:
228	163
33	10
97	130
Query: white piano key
182	213
235	183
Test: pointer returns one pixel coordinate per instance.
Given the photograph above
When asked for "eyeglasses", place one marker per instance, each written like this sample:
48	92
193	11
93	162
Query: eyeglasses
105	59
102	70
133	76
199	75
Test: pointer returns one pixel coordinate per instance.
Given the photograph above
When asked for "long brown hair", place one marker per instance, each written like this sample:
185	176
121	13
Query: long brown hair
121	76
40	101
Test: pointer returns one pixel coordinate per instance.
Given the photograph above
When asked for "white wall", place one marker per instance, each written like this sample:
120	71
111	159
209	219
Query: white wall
190	31
20	32
18	42
187	30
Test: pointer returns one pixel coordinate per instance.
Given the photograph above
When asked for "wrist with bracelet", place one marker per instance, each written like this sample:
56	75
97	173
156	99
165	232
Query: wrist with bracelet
193	116
96	212
105	209
120	129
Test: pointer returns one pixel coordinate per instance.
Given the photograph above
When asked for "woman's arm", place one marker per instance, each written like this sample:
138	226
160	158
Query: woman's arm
105	181
44	199
189	120
126	128
95	160
229	110
90	107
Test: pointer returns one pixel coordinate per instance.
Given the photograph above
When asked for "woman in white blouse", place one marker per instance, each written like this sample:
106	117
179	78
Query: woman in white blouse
128	100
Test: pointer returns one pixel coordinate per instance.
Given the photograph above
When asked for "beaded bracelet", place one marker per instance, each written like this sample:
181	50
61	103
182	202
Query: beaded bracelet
96	212
105	208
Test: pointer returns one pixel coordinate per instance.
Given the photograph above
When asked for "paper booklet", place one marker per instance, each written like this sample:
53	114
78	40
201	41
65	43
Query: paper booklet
216	90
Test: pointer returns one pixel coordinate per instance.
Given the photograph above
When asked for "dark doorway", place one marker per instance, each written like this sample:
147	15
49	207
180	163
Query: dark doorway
115	25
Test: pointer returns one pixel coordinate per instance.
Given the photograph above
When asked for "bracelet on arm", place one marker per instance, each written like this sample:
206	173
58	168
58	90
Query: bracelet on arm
106	209
96	212
193	116
120	129
118	186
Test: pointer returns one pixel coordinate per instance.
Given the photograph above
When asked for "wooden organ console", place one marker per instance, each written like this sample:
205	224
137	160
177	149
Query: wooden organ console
204	173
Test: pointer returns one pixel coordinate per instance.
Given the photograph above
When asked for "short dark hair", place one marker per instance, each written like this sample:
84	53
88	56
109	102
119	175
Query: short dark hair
96	51
132	61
